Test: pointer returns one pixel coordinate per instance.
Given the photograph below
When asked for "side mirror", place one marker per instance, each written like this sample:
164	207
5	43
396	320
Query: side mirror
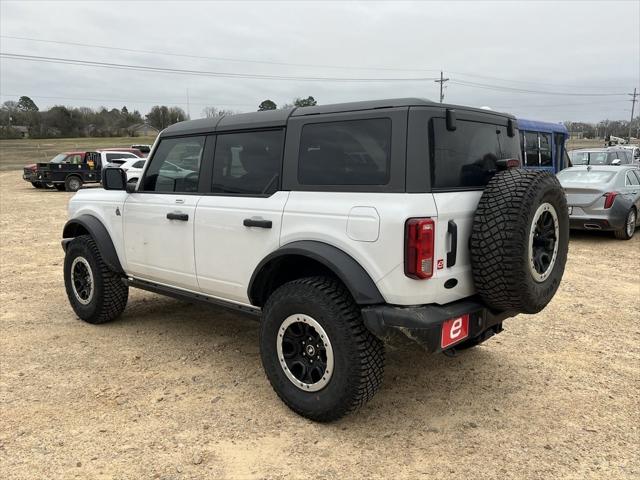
615	161
114	179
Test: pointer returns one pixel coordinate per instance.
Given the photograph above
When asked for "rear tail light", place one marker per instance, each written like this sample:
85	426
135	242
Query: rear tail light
419	248
609	198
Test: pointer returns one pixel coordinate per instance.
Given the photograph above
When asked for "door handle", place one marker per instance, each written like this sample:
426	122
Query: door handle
178	216
256	222
452	229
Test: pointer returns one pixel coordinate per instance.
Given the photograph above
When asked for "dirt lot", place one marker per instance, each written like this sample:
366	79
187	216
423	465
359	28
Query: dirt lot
173	390
14	154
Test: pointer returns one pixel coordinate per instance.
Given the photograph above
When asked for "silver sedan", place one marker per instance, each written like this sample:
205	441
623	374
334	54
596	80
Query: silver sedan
603	197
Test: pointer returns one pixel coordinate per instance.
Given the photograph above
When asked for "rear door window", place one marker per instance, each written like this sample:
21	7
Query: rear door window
351	152
248	163
467	156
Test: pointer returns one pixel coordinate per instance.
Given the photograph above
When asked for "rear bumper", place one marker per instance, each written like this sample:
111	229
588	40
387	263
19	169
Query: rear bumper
612	221
423	323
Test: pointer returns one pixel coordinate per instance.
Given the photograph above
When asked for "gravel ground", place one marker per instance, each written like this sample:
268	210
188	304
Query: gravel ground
175	391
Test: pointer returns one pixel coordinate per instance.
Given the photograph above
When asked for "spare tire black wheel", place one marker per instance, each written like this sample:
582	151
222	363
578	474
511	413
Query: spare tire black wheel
519	240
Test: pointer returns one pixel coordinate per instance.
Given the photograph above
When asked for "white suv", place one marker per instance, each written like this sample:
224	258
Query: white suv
339	226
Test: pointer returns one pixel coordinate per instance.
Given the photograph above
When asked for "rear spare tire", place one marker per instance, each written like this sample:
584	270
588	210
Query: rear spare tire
519	240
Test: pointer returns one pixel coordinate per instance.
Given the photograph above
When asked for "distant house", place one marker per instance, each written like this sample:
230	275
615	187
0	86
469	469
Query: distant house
142	130
22	130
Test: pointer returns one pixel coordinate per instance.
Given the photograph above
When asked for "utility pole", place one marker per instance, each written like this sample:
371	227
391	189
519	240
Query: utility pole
441	82
633	104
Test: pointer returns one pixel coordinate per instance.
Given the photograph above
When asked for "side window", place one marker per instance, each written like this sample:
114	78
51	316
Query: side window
632	179
248	163
175	166
467	156
531	149
611	157
350	152
138	164
545	150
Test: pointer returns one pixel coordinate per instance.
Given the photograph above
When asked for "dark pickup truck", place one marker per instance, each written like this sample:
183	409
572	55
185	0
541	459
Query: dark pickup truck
70	170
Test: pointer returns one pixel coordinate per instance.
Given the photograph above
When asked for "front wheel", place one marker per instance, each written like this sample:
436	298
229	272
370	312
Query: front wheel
96	294
629	227
37	185
318	355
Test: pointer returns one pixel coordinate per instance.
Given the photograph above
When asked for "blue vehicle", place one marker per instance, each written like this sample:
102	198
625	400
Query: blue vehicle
543	145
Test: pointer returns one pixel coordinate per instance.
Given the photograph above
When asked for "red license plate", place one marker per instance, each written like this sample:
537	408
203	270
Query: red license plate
454	330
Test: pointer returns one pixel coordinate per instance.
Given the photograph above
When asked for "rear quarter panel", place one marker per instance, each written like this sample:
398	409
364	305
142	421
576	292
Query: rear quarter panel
328	217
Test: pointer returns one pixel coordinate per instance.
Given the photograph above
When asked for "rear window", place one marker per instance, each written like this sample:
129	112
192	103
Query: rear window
353	152
467	156
585	176
590	158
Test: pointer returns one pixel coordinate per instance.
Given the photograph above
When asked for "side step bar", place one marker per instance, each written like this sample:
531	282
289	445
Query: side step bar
190	296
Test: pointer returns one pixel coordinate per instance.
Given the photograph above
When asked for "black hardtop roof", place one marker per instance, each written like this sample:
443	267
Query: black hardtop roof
278	118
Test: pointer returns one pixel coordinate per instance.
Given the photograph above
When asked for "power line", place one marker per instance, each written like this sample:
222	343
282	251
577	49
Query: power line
221	59
464	83
201	73
288	64
131	101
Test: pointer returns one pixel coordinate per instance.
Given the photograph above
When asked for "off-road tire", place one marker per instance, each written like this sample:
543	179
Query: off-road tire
622	233
110	293
73	183
358	355
500	237
61	187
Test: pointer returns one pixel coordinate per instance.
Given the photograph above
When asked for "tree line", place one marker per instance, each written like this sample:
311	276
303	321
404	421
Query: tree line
24	118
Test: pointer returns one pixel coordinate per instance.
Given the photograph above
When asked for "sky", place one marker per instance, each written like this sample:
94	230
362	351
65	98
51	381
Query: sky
544	60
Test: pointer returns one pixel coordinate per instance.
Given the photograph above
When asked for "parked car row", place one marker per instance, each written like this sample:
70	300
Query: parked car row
68	171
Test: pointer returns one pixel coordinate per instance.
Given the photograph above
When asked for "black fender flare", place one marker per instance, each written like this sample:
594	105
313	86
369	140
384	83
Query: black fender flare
95	228
362	288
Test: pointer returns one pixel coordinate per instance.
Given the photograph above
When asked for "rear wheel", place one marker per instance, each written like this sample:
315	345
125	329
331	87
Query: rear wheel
73	183
318	355
629	227
96	294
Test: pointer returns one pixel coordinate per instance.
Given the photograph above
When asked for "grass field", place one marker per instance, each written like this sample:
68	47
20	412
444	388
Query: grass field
14	154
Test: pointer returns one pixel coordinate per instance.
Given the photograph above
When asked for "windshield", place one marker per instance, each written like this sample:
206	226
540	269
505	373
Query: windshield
58	158
585	176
